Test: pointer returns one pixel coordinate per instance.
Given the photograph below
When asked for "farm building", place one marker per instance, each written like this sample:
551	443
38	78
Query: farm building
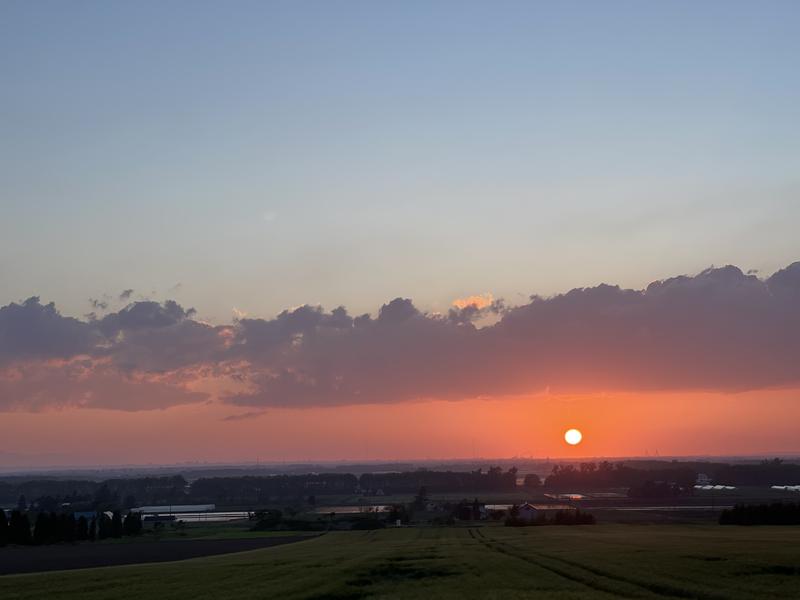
174	508
531	512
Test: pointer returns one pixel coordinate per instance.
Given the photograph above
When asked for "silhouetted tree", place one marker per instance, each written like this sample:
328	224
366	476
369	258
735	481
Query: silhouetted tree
42	529
420	499
3	528
93	529
116	525
105	498
47	503
22	503
82	529
19	530
66	528
267	519
132	524
532	481
103	526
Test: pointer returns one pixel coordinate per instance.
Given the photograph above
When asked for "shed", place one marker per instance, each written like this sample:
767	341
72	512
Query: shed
531	512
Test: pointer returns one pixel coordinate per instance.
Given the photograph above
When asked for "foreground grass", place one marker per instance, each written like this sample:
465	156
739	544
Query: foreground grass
604	561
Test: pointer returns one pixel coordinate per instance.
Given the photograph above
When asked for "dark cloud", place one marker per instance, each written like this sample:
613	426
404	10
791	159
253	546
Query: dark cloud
261	337
145	315
35	330
719	330
119	361
158	349
785	284
397	311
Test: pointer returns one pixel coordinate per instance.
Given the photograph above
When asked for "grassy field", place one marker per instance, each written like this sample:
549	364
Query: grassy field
603	561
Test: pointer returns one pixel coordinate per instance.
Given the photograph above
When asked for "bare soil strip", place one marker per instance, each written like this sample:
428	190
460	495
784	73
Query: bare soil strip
34	559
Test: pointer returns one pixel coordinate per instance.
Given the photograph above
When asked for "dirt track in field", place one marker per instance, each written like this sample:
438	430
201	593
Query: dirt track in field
35	559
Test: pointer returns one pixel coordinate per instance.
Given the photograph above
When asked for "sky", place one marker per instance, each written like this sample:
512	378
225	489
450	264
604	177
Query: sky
213	195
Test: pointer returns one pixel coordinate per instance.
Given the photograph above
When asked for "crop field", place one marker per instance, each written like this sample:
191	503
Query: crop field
579	562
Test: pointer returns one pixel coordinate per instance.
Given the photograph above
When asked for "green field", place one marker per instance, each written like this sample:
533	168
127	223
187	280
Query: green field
603	561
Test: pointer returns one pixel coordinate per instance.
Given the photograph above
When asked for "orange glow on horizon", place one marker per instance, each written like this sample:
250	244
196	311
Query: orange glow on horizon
656	424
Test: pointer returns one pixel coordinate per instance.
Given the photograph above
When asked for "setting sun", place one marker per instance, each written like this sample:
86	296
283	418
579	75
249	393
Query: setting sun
573	437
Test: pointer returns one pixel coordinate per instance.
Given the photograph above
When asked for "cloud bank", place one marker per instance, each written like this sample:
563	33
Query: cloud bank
718	330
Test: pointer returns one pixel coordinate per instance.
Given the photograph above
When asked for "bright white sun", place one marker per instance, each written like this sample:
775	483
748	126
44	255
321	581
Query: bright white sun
573	437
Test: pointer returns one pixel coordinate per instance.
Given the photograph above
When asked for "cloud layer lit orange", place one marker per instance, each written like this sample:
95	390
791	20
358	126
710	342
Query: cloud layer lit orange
701	364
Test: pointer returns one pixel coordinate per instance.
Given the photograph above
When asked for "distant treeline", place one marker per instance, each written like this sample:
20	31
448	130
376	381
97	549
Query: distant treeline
493	480
259	490
51	494
766	472
254	490
644	479
778	513
606	474
649	478
55	528
55	495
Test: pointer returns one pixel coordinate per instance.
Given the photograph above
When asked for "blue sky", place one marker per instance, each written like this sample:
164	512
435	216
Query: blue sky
265	155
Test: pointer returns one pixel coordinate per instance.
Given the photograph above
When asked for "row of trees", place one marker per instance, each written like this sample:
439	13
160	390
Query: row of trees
54	528
112	494
658	489
606	474
52	494
767	472
778	513
492	480
248	490
253	490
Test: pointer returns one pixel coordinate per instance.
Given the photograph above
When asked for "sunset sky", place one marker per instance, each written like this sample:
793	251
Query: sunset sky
369	231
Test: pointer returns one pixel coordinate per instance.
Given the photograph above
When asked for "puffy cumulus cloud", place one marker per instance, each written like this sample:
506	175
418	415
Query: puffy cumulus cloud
473	308
137	358
145	315
478	301
718	330
35	330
